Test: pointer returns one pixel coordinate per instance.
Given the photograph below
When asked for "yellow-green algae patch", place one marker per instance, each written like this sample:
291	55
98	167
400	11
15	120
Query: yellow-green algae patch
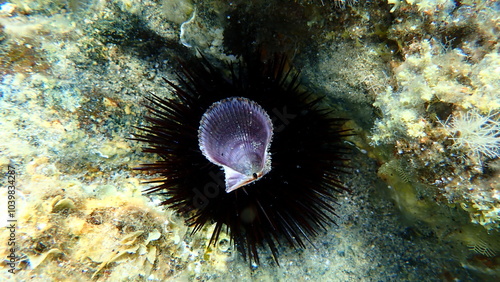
80	212
116	236
420	203
440	111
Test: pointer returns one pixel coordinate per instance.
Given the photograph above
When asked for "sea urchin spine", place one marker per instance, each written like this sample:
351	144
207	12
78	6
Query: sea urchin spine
293	196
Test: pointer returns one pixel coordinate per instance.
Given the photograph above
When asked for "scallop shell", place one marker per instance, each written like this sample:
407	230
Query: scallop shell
235	133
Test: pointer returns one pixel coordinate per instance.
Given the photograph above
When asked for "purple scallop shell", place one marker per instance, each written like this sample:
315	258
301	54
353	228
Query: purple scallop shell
235	133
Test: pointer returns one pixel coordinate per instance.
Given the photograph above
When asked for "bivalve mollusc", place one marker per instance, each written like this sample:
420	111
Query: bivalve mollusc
235	133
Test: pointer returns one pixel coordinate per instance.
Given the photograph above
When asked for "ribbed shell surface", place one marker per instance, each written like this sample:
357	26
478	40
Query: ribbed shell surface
236	134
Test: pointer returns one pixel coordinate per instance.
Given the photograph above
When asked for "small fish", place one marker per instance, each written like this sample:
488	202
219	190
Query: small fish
235	133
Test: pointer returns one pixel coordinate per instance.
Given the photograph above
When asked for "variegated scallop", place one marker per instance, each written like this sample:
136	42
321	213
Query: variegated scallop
235	133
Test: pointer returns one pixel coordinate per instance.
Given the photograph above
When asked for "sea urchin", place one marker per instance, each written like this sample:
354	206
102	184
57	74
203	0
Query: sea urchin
284	187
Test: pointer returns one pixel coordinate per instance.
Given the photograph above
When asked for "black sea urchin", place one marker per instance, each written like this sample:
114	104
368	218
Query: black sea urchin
292	200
